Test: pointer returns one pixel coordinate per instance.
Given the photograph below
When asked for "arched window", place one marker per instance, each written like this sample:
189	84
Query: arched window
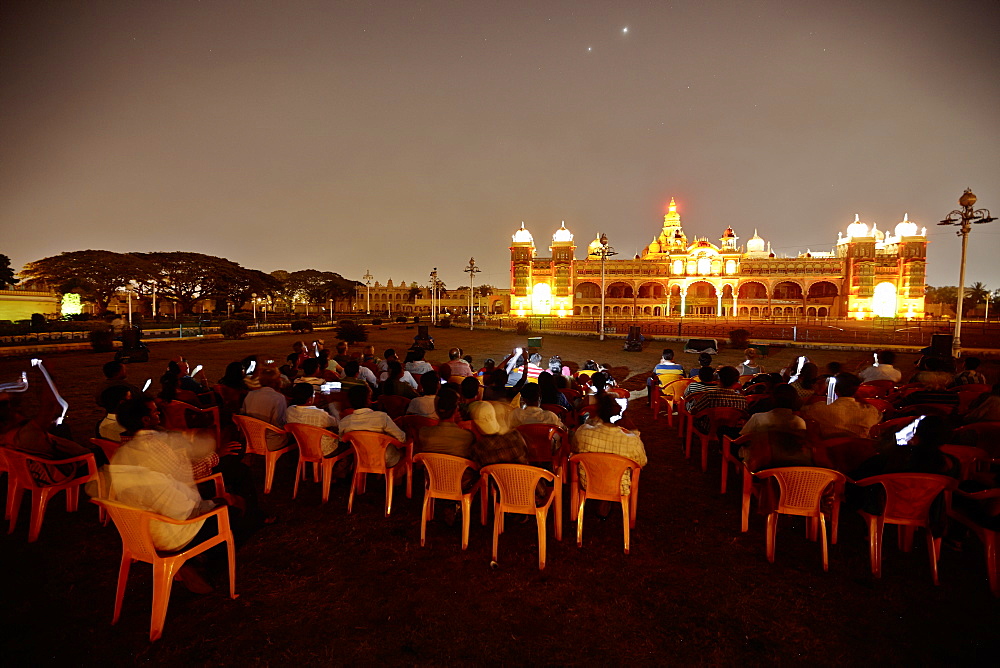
704	266
678	267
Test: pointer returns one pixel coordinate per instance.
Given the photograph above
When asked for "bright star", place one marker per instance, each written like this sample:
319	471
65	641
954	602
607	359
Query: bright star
589	48
625	30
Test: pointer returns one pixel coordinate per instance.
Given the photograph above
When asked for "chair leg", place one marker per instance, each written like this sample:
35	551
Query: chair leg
122	580
484	494
772	530
557	509
14	505
625	521
822	539
834	520
704	451
933	550
163	579
327	478
466	520
687	440
231	549
409	480
579	521
878	534
72	498
540	516
497	528
990	548
39	501
389	477
745	514
725	467
354	485
269	461
574	497
300	473
424	516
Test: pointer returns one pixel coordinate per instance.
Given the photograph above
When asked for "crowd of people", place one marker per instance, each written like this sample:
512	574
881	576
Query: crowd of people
475	413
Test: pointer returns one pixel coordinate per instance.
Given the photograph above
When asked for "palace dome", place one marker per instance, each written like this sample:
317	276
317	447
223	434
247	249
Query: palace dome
857	228
562	234
755	244
906	228
523	236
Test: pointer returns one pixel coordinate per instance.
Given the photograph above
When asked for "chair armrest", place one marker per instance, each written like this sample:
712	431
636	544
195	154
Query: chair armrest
191	520
220	485
89	458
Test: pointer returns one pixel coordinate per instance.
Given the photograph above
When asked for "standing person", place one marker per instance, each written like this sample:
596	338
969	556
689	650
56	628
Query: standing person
268	404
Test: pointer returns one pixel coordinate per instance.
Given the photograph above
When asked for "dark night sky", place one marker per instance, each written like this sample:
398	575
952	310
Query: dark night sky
405	135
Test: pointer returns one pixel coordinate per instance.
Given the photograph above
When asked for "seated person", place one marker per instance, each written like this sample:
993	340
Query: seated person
446	437
970	375
491	446
776	448
557	368
726	395
845	416
423	405
355	374
882	369
266	403
604	436
302	409
329	369
667	366
397	382
804	382
704	382
779	418
111	398
416	364
933	391
704	360
232	388
309	370
470	391
342	357
531	411
389	355
456	365
488	366
182	369
750	366
935	372
115	373
363	418
549	393
30	434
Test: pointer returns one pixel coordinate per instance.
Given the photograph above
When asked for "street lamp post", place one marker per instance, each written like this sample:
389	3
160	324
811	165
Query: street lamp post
964	218
253	298
434	283
129	293
368	284
605	251
472	269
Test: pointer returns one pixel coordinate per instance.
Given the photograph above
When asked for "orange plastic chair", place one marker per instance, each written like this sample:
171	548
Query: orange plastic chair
881	405
20	479
985	435
109	448
255	431
943	410
456	379
877	388
604	474
717	417
411	425
571	394
516	494
683	415
369	452
394	406
137	545
669	394
543	446
444	481
969	458
893	424
802	491
844	453
309	439
729	458
988	537
908	499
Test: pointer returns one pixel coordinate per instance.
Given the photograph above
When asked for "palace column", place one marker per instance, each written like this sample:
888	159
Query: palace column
684	293
718	300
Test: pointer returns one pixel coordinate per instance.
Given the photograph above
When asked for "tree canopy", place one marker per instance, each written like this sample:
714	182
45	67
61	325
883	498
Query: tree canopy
6	273
95	274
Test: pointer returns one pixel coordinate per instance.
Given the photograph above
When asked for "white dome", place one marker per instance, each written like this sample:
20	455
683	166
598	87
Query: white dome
523	236
562	234
857	228
905	228
755	244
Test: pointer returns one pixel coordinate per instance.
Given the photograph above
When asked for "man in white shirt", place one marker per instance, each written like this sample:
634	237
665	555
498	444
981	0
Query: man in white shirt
607	437
882	369
363	418
269	405
845	416
424	404
301	410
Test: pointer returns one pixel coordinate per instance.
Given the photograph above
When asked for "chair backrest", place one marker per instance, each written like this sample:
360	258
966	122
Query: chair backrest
456	379
675	388
133	525
539	438
943	410
309	438
255	432
881	405
444	473
109	448
516	483
369	449
570	393
801	487
981	434
175	414
722	416
560	411
894	424
604	473
908	496
974	388
968	456
393	405
844	453
411	425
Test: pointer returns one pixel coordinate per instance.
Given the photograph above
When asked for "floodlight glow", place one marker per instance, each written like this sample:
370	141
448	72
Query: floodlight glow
884	300
149	381
71	304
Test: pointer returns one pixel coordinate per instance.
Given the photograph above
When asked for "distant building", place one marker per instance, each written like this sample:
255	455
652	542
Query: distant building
21	301
868	273
412	299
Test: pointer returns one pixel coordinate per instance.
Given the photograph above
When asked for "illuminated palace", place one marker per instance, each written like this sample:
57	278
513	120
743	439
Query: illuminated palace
869	273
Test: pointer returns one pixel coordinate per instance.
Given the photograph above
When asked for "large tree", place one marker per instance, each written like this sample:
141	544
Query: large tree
189	277
6	273
95	274
975	295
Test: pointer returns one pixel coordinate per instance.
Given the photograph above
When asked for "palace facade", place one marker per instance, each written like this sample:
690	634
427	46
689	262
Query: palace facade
868	273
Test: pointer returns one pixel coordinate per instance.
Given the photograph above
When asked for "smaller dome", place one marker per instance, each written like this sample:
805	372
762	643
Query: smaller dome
562	234
857	228
523	236
906	228
654	247
729	233
595	245
877	233
755	244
